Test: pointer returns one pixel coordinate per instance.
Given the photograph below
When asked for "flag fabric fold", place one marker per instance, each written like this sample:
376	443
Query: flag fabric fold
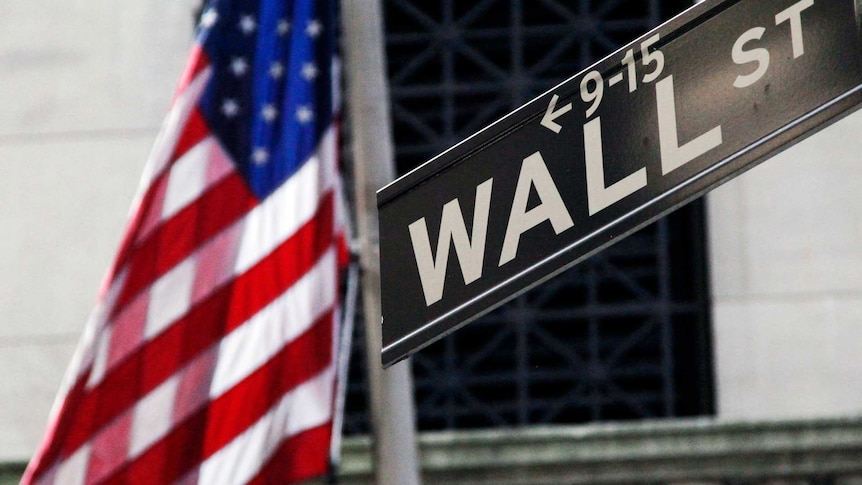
210	355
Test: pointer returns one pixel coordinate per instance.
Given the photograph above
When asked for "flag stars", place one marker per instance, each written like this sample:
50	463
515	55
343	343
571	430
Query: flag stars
276	70
313	29
309	71
238	66
304	114
283	27
260	156
209	18
269	113
230	108
247	24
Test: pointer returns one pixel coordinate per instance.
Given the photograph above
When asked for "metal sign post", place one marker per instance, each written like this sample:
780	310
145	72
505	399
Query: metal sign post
682	109
396	455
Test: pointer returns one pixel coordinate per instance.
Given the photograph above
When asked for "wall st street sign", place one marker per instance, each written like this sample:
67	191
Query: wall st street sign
668	117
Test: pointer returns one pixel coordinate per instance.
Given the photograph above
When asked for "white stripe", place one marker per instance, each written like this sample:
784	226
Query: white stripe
172	127
100	361
240	353
73	471
264	228
307	406
187	178
153	416
255	342
165	145
289	207
193	173
219	248
170	297
87	350
49	477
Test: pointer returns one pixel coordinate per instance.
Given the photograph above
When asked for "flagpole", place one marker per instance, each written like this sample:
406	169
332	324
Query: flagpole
345	344
391	390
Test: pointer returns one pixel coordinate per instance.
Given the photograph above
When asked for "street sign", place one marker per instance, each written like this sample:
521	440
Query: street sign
677	112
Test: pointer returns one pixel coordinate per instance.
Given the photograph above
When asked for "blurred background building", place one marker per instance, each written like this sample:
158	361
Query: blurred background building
723	343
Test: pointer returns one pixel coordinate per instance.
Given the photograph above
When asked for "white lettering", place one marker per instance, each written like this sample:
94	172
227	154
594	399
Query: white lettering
758	55
552	113
534	173
598	195
794	15
470	250
674	156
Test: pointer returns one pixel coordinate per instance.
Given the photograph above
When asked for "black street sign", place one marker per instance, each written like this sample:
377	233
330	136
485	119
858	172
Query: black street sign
677	112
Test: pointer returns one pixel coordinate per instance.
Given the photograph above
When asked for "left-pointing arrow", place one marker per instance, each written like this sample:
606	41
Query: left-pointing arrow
552	113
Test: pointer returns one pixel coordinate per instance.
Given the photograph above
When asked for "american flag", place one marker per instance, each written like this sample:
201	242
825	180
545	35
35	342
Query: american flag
210	355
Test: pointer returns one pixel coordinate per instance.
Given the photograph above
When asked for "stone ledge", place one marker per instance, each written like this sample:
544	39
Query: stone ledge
10	473
688	451
683	451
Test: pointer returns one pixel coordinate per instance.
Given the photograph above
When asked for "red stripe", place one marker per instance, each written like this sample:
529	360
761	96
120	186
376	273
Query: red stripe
299	458
250	399
173	241
205	432
193	132
169	459
201	327
198	61
52	445
133	227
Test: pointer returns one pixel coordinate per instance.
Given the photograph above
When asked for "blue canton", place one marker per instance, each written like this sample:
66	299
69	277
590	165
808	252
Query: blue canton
269	99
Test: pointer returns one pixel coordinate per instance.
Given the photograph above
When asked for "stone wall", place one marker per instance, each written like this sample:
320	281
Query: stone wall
786	265
84	86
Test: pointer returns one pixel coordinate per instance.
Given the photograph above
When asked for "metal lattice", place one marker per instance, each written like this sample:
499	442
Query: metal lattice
623	335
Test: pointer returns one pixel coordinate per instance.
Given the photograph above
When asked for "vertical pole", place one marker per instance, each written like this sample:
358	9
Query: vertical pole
392	414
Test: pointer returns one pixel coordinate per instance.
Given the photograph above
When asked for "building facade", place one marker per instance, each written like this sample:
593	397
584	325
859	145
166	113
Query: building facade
747	306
